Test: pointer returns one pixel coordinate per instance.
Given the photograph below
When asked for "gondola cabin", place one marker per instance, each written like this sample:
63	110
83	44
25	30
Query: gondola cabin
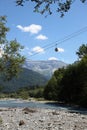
56	49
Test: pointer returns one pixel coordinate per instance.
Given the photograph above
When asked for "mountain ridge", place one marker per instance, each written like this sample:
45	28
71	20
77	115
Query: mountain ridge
45	68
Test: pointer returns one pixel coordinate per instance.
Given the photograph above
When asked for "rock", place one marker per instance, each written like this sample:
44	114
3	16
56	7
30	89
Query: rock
41	119
21	122
27	110
55	113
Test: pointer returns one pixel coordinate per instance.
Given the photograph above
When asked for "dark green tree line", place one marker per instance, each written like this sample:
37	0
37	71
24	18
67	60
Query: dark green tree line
71	82
52	89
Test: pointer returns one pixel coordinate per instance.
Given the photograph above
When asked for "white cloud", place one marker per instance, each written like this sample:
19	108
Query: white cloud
60	50
38	49
41	37
33	28
52	58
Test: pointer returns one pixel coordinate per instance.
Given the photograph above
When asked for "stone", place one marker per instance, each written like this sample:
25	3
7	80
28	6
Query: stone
21	122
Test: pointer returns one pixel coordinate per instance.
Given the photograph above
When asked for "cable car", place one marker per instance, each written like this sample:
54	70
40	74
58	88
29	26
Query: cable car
56	49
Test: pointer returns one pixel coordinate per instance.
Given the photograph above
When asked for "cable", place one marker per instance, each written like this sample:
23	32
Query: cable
63	40
75	34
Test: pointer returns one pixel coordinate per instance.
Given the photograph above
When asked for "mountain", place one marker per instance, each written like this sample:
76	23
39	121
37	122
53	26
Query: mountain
34	73
27	78
46	68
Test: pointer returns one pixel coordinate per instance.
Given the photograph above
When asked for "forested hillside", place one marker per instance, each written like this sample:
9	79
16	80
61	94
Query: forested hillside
27	78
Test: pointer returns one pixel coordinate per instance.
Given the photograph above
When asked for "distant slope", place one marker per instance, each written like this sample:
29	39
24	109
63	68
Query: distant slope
26	78
34	73
45	68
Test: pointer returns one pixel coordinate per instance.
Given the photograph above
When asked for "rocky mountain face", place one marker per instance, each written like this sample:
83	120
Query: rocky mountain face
46	68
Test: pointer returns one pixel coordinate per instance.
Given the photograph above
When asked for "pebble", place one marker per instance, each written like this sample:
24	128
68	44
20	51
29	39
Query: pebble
41	119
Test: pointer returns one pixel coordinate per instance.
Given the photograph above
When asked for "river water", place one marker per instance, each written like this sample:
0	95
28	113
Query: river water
14	103
21	103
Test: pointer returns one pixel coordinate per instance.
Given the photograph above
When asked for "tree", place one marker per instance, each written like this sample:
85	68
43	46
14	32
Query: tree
10	58
74	81
82	51
69	84
83	81
3	29
43	6
50	91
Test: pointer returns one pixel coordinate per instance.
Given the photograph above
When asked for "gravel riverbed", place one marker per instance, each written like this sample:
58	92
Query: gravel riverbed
41	119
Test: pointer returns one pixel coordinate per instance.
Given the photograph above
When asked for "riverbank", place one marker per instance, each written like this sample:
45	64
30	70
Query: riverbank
41	119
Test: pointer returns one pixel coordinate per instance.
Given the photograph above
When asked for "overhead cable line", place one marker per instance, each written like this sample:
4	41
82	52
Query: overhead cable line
51	45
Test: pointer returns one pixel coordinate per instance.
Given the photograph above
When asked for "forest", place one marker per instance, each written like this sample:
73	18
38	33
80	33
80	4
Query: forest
69	85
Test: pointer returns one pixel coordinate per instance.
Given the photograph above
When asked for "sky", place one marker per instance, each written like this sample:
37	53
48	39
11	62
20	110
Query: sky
40	35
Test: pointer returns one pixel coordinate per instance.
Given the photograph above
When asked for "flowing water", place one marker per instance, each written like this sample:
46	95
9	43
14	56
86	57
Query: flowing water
20	103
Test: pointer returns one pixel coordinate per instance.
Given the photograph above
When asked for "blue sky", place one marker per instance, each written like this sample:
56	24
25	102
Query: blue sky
39	34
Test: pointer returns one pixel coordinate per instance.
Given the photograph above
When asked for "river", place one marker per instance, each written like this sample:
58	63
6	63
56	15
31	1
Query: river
21	103
14	103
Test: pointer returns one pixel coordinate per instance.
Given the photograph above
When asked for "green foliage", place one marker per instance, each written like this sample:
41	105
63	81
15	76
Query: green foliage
25	78
3	29
50	91
70	84
1	88
43	6
82	51
36	92
23	94
59	74
10	58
